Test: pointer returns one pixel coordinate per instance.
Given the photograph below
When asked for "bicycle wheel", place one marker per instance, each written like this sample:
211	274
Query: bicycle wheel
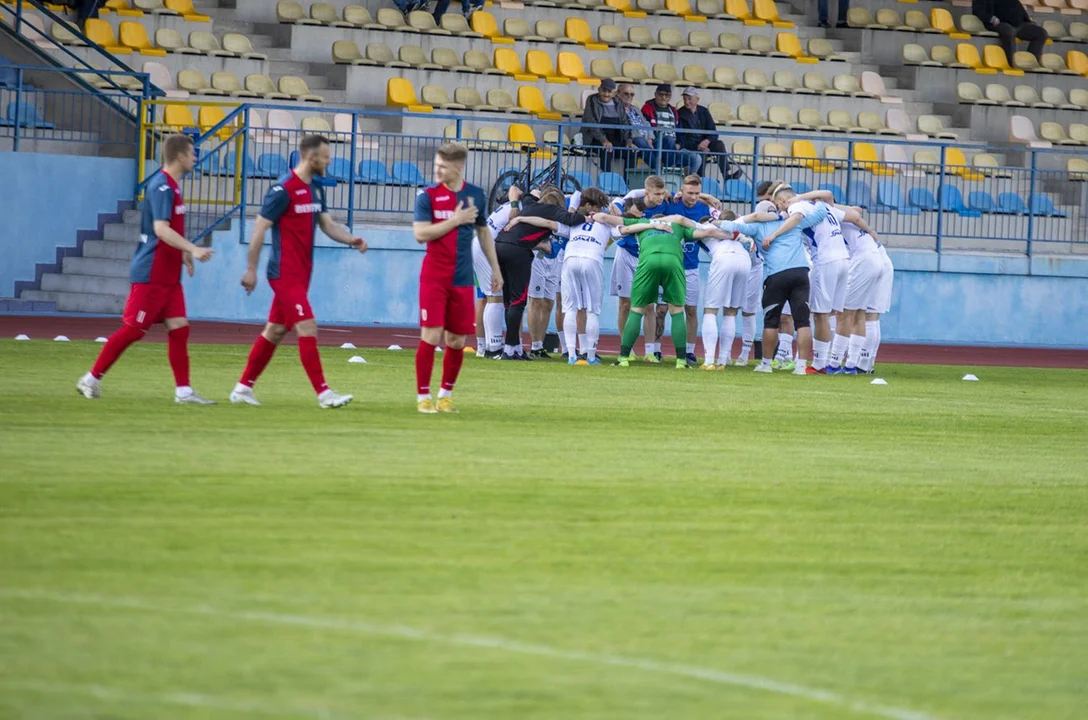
569	184
497	196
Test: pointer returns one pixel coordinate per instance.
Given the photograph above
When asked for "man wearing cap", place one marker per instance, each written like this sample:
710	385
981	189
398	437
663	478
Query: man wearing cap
702	137
662	115
603	108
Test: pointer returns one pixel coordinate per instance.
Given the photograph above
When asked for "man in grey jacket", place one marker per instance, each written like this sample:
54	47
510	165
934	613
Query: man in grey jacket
604	109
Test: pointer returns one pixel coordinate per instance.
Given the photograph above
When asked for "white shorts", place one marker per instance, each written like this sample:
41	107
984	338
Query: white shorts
483	270
753	297
583	279
727	281
865	271
827	292
882	302
544	278
786	307
692	278
623	273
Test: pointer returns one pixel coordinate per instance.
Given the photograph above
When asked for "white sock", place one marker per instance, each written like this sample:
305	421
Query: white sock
690	348
444	393
872	341
801	363
820	349
839	344
537	345
481	343
710	336
511	350
240	388
785	347
725	339
853	354
593	334
651	348
421	398
493	321
583	338
563	337
748	335
570	330
765	361
183	391
833	321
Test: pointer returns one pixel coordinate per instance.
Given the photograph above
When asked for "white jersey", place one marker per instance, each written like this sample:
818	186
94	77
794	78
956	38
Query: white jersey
499	219
717	247
825	241
858	242
589	240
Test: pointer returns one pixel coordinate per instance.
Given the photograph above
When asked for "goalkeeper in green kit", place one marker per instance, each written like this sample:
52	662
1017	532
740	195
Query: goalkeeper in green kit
660	265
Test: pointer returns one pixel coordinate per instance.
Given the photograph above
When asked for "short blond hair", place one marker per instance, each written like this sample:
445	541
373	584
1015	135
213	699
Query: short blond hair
452	152
693	180
655	182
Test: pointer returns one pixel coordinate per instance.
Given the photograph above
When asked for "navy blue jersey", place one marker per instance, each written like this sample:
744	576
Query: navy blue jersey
448	261
155	261
294	208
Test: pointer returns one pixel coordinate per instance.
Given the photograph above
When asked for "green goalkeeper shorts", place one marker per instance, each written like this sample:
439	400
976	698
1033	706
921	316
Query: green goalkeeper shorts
654	271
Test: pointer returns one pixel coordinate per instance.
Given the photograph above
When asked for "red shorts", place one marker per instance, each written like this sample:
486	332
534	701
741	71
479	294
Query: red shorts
290	304
149	303
452	308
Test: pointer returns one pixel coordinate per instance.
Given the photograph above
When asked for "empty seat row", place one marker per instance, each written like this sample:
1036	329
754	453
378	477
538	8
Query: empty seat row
896	121
1022	96
133	38
890	196
940	21
226	83
1022	131
272	165
993	60
137	8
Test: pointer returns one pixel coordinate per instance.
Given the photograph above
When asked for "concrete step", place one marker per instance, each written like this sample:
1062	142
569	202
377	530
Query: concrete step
103	267
27	305
79	302
124	232
132	217
95	284
111	249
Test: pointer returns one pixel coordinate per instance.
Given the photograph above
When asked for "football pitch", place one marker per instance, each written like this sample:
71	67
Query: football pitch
576	543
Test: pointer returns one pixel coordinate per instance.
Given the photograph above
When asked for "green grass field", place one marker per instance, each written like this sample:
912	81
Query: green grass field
577	543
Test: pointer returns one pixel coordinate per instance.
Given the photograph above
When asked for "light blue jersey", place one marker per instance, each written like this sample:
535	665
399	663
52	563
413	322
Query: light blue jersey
787	251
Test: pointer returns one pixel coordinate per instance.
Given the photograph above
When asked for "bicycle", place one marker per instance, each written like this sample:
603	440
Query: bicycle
527	179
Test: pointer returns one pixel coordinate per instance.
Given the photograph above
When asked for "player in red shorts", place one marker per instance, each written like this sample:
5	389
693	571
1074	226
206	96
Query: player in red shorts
156	295
292	209
444	219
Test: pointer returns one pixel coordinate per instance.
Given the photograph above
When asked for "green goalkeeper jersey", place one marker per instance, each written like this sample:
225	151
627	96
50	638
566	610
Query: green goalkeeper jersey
660	241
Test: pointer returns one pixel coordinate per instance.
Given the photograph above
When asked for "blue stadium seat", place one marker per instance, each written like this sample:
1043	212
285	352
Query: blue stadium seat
1042	205
859	193
339	169
8	76
230	165
889	195
28	116
292	159
612	184
582	178
1011	204
406	173
801	187
208	164
739	190
952	201
982	201
373	172
272	165
922	198
835	190
711	187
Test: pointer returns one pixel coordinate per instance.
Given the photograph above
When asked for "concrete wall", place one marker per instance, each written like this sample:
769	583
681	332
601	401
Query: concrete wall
53	196
968	306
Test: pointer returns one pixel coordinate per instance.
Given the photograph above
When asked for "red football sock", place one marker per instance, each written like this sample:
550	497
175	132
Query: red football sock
424	367
259	357
177	350
311	361
451	367
114	347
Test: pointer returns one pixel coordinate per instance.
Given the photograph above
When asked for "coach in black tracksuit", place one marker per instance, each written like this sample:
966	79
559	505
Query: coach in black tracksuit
514	248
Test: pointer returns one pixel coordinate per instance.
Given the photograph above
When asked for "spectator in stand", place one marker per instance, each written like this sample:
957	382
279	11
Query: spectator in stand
603	108
467	7
704	138
1010	21
822	12
87	9
642	135
662	116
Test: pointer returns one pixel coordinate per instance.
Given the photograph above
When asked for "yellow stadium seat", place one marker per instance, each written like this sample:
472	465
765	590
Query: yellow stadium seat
400	93
625	7
122	8
578	30
530	98
134	36
967	54
865	157
1077	61
538	62
994	57
186	10
100	32
522	135
179	116
805	151
739	10
787	43
956	163
942	20
767	11
484	23
507	61
209	116
570	65
683	9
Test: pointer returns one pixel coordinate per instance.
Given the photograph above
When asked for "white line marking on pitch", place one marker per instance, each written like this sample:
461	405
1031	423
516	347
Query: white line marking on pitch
752	682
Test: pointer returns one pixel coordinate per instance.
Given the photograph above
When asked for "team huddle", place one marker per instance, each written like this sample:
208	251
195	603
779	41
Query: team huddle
539	250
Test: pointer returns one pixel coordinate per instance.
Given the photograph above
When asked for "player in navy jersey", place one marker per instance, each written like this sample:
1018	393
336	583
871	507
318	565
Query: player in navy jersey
446	214
293	209
156	295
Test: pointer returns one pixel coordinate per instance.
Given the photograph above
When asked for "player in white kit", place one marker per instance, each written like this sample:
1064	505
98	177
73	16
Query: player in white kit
866	268
726	290
882	303
490	314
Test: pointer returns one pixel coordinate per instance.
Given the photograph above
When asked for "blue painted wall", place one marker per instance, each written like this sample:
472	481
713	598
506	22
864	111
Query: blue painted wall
54	196
964	307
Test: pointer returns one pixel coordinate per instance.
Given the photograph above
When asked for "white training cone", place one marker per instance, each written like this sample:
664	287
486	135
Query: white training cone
347	346
100	339
357	359
22	337
879	381
395	347
970	377
60	338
